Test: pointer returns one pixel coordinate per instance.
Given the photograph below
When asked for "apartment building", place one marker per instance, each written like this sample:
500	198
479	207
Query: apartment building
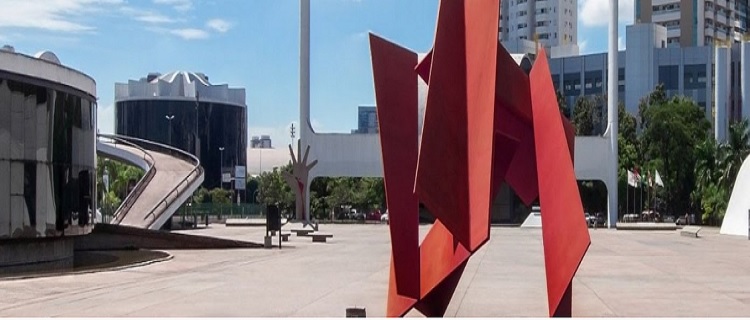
553	23
696	22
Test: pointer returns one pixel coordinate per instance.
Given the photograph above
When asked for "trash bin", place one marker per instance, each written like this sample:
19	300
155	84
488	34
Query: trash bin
356	312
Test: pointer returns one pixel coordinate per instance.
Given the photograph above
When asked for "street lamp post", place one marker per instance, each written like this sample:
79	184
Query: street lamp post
195	136
105	180
169	133
221	167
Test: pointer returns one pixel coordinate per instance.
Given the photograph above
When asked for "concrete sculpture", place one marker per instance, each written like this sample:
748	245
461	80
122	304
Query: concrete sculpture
298	179
738	209
486	122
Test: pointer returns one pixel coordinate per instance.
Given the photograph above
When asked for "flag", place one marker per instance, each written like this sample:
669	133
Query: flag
657	179
633	179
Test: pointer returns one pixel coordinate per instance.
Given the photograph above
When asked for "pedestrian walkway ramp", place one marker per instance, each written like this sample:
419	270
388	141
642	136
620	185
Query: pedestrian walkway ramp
119	237
172	176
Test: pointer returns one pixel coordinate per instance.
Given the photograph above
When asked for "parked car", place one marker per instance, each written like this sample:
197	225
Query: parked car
595	220
375	215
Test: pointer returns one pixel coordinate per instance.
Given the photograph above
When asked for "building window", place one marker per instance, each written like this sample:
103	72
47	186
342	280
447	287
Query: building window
694	76
668	76
572	84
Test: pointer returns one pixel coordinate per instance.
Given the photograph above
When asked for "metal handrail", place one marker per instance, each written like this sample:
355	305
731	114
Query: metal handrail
138	189
177	152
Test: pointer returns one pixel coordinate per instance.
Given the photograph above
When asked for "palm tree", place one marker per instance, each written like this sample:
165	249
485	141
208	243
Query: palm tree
734	151
706	163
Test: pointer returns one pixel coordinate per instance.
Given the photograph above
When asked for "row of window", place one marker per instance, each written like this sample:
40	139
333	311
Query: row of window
666	8
694	77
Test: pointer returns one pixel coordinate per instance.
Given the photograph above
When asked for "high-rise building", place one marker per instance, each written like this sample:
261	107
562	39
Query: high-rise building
184	110
696	22
553	23
261	142
367	120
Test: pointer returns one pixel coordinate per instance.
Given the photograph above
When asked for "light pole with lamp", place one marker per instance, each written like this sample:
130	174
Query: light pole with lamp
105	180
169	133
221	167
195	136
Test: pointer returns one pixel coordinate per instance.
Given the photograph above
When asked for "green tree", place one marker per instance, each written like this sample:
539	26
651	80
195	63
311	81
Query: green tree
584	118
318	195
562	105
120	175
714	204
273	189
655	98
672	130
252	187
734	152
221	196
201	196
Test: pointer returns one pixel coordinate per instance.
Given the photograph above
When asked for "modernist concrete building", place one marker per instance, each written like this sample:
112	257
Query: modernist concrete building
713	76
47	158
164	108
696	22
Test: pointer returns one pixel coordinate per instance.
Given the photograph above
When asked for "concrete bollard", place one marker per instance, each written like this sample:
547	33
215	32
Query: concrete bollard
267	242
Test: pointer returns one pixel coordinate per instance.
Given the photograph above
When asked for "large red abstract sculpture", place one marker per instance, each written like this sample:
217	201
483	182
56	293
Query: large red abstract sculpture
486	122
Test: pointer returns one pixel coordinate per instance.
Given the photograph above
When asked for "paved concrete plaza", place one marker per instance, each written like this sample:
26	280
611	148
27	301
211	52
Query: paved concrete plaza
626	273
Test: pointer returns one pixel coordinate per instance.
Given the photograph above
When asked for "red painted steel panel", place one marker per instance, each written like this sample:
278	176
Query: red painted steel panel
486	122
564	231
481	19
423	67
441	182
396	98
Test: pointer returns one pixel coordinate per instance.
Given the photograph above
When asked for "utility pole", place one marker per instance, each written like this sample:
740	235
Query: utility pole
291	131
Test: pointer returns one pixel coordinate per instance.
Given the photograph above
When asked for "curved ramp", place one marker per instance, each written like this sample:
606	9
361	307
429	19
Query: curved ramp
736	218
171	177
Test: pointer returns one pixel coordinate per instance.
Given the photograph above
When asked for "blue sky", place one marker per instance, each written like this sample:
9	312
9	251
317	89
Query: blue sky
244	43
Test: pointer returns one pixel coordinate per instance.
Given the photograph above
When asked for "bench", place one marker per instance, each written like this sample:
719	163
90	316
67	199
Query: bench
285	236
320	237
690	231
302	232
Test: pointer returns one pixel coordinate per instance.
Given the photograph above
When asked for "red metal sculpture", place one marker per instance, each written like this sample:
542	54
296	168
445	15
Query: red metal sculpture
486	122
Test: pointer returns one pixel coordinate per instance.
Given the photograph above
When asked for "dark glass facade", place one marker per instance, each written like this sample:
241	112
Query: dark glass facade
219	126
47	158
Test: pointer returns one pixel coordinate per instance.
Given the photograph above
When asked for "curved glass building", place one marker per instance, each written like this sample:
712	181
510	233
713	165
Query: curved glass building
47	161
184	110
47	147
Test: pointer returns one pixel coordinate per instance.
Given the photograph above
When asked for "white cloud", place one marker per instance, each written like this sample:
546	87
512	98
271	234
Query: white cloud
582	46
219	25
620	44
179	5
596	12
190	33
154	18
60	15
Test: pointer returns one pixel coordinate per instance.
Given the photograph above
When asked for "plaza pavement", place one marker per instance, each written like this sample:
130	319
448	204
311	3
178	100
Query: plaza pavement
625	273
